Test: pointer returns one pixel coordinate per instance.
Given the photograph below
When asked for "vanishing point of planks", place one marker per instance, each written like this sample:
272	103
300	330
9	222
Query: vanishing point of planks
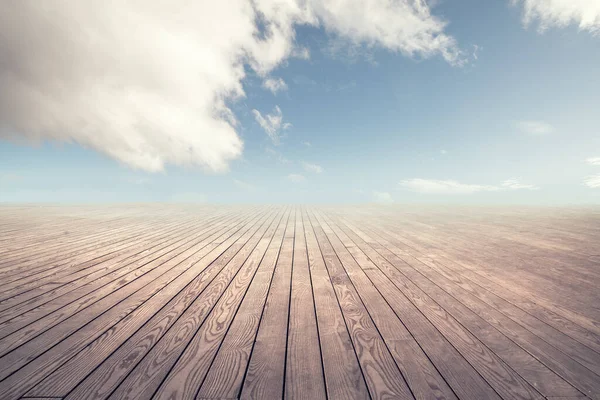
270	302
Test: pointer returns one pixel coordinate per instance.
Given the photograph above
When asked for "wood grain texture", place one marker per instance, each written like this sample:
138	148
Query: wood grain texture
226	374
148	375
150	301
186	376
384	379
266	368
304	370
343	375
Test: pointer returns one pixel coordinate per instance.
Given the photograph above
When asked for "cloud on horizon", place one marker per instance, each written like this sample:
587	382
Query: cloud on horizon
592	181
593	161
432	186
158	94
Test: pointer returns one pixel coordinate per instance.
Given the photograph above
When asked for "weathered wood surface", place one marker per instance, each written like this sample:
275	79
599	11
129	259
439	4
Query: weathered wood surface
267	302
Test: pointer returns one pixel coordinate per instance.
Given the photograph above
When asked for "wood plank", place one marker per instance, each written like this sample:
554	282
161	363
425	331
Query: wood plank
266	369
497	373
23	305
146	269
186	376
465	381
552	357
382	375
304	370
111	371
570	323
424	381
32	373
187	286
33	275
343	375
226	374
58	262
528	367
352	302
147	376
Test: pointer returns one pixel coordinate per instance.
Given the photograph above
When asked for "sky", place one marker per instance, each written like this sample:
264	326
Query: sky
312	101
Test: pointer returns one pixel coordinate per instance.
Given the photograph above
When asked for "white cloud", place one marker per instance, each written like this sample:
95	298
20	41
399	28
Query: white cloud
443	152
561	13
297	178
432	186
443	187
307	144
406	26
476	50
593	161
592	181
275	85
158	94
317	169
145	96
272	124
382	197
535	128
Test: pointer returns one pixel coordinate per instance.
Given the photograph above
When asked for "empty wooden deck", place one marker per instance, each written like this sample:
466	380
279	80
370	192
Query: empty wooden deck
269	302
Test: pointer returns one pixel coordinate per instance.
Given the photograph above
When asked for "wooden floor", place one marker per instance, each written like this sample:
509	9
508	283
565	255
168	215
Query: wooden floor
267	302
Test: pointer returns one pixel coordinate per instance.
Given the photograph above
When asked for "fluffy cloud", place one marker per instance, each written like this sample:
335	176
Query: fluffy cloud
148	82
156	94
432	186
382	198
592	181
317	169
593	161
272	124
296	178
274	85
560	13
406	26
535	128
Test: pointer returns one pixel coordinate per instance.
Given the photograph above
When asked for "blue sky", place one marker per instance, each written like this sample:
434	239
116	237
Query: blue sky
513	120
